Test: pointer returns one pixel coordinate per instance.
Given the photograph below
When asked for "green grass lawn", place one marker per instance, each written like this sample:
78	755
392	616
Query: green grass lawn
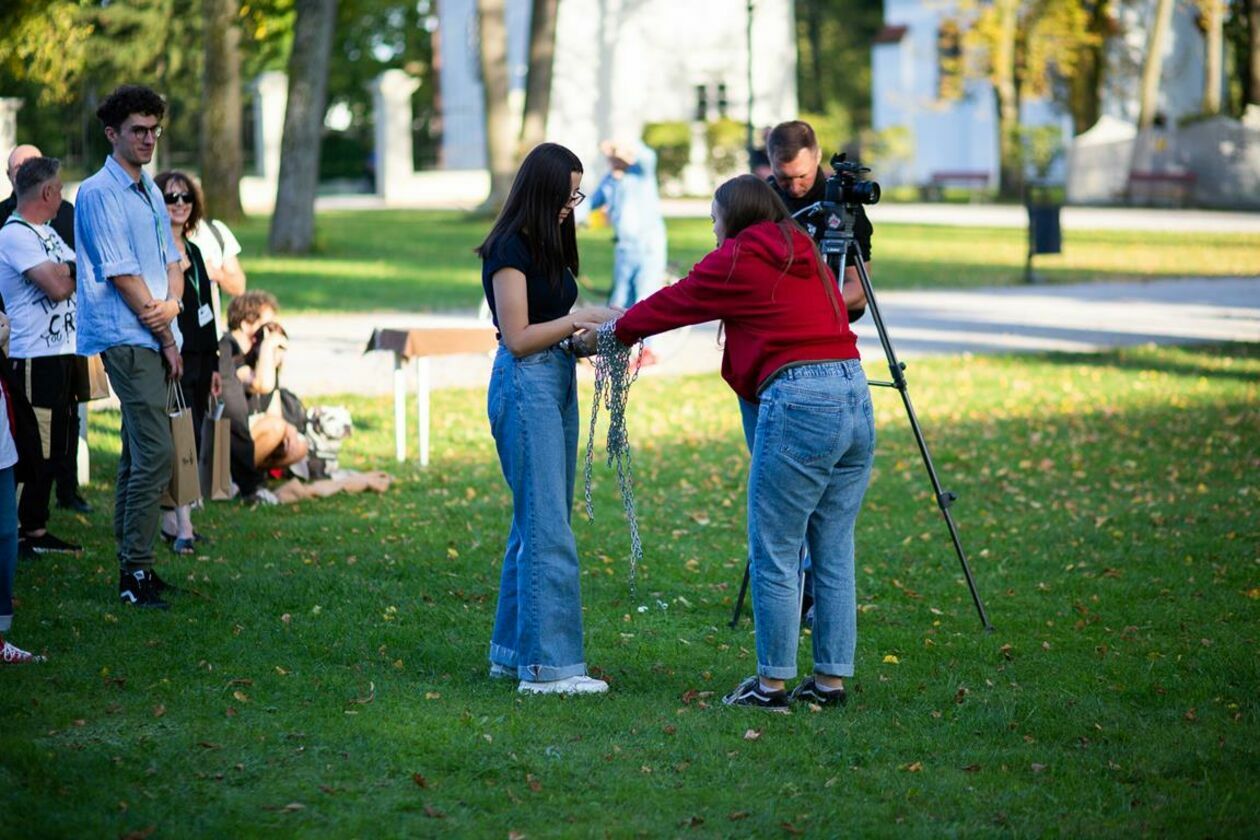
423	261
327	676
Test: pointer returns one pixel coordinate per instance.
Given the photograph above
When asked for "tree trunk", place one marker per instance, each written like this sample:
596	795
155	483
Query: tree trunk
293	225
542	54
1085	85
1214	19
1253	77
1010	170
500	138
1153	62
814	31
221	111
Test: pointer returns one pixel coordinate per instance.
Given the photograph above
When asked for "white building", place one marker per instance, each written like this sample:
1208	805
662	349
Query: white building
951	119
622	63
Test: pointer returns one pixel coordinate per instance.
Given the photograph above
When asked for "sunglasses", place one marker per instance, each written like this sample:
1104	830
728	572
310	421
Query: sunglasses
176	198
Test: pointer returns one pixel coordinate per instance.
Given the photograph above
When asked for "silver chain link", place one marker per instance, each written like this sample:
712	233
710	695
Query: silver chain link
614	375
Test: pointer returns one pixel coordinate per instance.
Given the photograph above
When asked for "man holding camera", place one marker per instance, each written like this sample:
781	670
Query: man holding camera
797	176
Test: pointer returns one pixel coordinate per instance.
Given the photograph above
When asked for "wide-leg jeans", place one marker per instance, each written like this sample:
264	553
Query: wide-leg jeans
533	411
811	459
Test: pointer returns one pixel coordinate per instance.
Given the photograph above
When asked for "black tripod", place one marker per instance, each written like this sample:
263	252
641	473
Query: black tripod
837	237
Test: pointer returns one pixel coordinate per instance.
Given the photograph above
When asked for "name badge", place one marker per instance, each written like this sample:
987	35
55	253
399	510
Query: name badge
204	314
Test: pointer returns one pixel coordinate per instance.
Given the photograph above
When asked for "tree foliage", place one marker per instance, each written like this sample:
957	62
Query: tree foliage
833	68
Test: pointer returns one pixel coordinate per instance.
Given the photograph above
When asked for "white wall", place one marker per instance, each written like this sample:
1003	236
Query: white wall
622	63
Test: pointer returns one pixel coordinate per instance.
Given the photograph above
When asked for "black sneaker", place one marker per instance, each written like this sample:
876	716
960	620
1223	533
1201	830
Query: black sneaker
159	585
809	691
46	543
137	589
751	693
77	504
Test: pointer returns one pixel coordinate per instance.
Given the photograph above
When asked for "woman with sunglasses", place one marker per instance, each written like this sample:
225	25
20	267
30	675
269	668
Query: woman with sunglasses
529	270
196	322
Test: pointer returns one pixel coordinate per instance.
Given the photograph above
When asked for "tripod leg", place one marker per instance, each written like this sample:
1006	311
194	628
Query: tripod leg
743	591
943	498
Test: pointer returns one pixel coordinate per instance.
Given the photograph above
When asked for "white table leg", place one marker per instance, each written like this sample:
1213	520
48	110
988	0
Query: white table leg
424	383
400	409
83	459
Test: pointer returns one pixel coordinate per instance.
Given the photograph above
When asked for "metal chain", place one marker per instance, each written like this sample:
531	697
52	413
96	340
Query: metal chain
613	377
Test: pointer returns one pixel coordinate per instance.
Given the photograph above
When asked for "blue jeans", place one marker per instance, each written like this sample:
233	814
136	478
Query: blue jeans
8	546
533	412
812	453
638	271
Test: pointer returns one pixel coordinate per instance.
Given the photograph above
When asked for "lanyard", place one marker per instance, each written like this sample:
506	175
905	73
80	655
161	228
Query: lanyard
157	218
196	273
48	243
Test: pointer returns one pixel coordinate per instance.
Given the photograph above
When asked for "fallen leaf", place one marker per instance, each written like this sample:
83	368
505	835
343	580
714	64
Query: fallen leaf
241	696
515	835
914	767
371	695
1191	714
532	781
1037	768
736	816
291	807
971	768
209	745
752	734
420	780
790	829
891	660
432	695
434	813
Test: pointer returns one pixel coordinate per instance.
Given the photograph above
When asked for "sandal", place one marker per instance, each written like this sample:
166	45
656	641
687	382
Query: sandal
196	537
180	545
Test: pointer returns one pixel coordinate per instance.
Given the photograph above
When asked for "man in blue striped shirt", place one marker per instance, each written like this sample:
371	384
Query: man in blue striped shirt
130	288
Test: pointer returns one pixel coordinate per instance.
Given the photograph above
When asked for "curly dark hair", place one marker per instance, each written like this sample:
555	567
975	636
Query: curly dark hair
127	100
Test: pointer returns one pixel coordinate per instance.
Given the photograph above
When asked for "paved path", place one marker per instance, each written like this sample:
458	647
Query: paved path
326	355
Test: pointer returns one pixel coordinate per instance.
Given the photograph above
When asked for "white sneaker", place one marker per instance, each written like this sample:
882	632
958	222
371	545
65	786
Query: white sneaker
263	496
568	685
11	654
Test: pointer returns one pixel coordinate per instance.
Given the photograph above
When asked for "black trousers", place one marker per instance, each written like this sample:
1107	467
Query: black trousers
47	384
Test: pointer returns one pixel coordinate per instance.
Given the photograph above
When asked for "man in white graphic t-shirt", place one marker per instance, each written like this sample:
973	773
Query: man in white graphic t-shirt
37	284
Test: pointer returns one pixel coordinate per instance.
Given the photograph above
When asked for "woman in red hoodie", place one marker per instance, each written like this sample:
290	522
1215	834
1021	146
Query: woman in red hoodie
793	361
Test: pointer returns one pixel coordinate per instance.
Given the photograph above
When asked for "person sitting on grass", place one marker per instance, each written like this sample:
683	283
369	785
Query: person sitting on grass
251	353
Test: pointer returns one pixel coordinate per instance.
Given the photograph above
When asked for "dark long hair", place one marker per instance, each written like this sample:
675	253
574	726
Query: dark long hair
542	187
747	200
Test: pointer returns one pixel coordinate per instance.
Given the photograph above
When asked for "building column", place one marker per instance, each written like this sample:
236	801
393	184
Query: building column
271	96
391	111
9	106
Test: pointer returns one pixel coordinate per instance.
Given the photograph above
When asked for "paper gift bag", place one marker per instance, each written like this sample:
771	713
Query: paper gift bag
185	484
216	454
90	380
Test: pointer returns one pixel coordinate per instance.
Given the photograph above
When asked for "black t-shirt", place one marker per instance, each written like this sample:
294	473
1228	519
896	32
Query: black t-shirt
198	338
862	228
546	302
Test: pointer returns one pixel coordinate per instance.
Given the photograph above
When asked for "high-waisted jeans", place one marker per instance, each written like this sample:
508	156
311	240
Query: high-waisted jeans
811	459
533	410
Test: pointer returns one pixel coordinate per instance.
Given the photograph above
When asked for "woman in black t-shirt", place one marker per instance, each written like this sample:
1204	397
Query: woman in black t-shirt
529	266
200	350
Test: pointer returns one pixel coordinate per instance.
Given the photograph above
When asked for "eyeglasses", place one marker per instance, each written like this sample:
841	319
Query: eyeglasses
577	198
176	198
139	131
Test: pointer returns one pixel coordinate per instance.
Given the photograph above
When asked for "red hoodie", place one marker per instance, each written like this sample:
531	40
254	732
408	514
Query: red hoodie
776	312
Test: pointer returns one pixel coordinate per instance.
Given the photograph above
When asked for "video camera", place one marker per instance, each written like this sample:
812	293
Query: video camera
845	187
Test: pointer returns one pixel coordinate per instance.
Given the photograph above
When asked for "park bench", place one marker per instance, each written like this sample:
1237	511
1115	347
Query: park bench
934	189
1161	189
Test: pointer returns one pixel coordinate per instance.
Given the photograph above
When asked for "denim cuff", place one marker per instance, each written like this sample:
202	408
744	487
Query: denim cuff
785	672
831	669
